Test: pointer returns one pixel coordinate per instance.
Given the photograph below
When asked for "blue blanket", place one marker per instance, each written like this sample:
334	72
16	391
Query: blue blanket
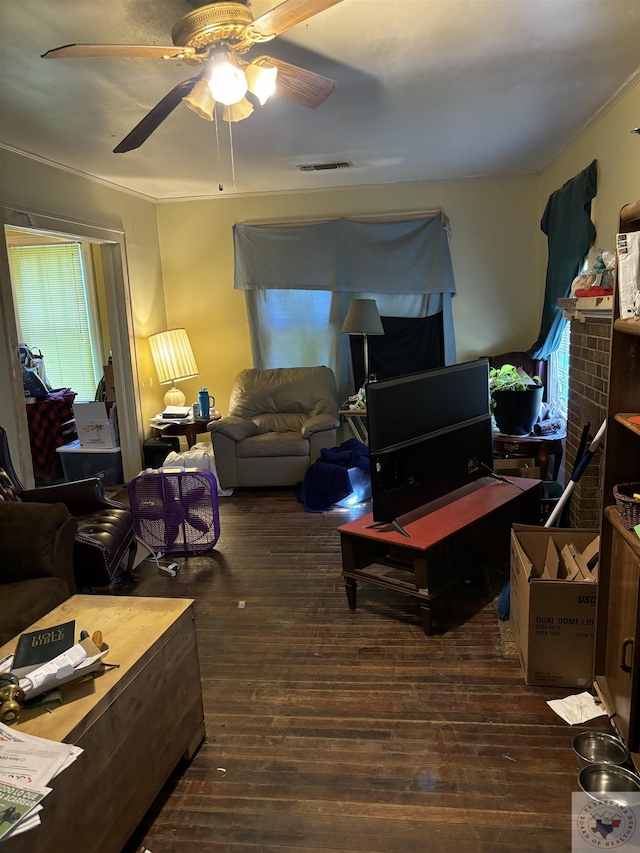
327	481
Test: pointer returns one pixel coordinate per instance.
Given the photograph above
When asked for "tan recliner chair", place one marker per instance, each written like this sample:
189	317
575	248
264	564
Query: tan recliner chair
279	420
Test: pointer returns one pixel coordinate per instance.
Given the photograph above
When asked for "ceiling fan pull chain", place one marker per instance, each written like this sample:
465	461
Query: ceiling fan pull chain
233	165
215	121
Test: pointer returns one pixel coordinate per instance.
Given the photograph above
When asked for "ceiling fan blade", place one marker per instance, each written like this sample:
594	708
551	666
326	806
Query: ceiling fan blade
153	119
286	15
299	84
80	51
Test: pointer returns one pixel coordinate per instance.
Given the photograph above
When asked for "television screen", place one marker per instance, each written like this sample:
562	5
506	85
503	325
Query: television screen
429	434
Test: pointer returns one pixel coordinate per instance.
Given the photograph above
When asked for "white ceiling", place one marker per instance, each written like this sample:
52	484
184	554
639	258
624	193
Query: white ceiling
426	90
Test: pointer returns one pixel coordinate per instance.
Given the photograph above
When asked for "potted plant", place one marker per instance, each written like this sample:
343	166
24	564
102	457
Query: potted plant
515	399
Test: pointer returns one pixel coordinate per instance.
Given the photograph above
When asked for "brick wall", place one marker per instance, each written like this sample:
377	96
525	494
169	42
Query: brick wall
588	387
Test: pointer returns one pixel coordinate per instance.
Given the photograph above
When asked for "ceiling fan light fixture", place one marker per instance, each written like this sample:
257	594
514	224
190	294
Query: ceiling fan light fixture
201	101
261	80
237	112
227	81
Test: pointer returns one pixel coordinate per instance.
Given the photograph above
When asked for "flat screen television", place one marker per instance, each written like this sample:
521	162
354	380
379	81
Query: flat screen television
429	434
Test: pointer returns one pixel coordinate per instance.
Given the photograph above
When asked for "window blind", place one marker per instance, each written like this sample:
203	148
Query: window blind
53	308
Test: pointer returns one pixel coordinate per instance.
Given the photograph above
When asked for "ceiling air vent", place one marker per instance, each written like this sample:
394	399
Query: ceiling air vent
323	167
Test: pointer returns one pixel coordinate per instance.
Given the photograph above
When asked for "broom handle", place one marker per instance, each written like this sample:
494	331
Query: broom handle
577	473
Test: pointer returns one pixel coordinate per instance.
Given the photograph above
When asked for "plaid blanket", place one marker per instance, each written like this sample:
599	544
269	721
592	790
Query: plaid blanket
46	419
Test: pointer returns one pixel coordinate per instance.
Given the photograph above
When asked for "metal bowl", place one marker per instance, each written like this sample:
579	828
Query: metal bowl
600	748
610	782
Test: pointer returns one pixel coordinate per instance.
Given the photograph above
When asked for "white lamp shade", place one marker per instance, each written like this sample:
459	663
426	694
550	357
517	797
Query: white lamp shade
363	318
261	80
237	112
173	356
201	101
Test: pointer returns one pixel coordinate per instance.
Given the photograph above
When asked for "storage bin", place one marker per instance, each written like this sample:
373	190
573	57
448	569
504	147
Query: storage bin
78	463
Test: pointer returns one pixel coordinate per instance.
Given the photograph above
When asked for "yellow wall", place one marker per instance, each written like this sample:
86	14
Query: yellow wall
31	186
617	150
494	249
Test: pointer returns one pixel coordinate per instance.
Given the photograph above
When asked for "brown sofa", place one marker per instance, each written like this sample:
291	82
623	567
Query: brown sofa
279	420
36	562
104	528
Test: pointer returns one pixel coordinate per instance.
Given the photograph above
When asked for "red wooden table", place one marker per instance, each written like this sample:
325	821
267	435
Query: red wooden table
444	538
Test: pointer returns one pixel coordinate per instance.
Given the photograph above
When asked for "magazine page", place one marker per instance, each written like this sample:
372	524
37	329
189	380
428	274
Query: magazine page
16	802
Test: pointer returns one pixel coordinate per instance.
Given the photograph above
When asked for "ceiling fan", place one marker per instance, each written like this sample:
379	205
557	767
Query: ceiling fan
216	36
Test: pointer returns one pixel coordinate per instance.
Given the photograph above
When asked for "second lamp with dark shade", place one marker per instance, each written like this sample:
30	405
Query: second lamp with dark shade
363	319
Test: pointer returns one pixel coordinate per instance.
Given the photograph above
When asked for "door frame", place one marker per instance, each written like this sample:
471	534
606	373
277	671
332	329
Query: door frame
119	317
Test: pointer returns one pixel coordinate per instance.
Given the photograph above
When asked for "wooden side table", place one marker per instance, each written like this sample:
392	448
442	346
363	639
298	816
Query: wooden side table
538	446
357	420
190	429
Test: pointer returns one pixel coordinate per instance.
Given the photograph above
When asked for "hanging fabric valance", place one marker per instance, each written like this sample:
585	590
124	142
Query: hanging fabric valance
408	256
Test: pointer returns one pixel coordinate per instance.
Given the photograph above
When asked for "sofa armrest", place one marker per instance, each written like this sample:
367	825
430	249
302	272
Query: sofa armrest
319	423
224	451
234	428
80	497
36	541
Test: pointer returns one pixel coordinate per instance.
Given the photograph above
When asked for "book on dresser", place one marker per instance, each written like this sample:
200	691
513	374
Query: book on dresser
38	647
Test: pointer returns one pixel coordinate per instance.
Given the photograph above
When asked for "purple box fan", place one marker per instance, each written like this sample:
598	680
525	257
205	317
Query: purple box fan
175	510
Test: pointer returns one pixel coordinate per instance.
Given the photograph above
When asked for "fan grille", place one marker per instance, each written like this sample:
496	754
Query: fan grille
176	512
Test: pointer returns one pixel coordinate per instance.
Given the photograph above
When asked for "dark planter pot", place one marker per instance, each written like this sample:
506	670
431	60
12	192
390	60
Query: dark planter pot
516	412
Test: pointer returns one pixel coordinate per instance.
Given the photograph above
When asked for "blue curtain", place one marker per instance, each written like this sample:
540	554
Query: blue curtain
567	223
408	256
406	259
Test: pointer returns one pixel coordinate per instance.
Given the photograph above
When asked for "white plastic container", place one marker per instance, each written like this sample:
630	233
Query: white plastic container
79	463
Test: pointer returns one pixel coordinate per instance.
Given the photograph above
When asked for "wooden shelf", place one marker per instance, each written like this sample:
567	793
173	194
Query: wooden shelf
623	418
586	307
630	217
627	327
612	514
618	604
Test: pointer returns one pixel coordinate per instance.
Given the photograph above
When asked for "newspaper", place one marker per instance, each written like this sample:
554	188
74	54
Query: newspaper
28	763
17	803
33	760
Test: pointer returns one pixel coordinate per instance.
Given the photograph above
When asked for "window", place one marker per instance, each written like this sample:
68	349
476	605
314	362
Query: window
57	314
295	328
558	382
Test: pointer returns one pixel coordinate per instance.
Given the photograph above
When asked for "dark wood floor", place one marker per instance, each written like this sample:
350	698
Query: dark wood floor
331	730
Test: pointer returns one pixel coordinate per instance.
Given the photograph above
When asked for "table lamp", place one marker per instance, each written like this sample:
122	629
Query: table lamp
363	319
174	362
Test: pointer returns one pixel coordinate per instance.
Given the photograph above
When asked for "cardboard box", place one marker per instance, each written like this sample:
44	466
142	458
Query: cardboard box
552	618
97	425
78	463
109	384
516	468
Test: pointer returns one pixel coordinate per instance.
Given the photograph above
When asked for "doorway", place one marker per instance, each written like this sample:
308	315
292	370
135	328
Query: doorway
60	318
108	251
